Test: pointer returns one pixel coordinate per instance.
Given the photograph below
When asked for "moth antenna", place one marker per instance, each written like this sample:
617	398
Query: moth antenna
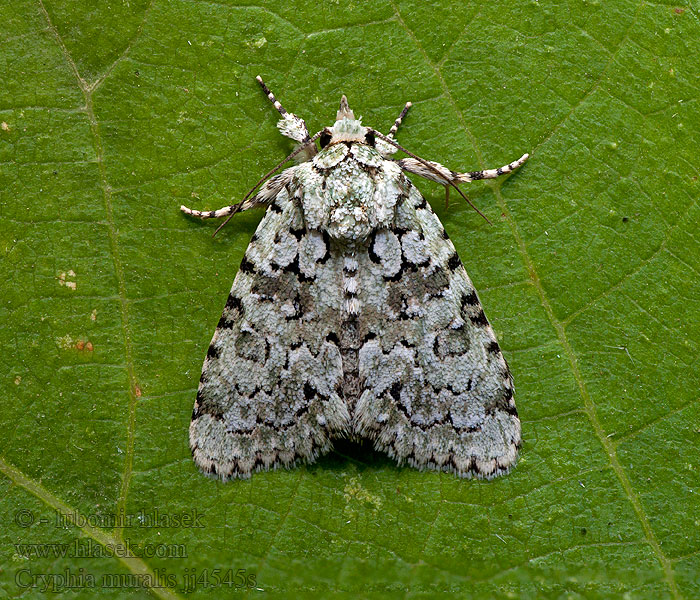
399	119
275	102
267	176
429	166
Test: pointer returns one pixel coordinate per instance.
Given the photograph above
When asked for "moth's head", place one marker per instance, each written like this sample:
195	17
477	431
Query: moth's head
346	129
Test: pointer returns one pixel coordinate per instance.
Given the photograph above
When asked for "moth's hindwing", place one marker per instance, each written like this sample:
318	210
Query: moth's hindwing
437	392
268	391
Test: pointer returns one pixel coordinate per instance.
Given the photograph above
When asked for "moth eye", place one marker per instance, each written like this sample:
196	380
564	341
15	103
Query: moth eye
325	139
369	138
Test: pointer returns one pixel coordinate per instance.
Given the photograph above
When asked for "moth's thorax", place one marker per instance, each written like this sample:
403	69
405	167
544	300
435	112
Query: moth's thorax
349	190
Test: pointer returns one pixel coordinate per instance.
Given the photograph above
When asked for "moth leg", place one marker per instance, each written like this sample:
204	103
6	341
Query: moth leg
441	174
266	194
289	125
385	149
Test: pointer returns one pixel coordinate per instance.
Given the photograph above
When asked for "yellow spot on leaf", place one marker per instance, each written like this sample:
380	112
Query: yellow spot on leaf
65	279
65	342
257	43
354	492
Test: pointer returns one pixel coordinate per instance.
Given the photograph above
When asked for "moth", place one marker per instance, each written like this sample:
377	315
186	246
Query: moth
351	316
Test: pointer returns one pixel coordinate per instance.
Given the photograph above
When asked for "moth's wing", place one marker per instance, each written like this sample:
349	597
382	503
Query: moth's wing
437	393
267	396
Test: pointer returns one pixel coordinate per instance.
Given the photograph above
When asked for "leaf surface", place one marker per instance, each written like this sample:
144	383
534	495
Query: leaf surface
112	116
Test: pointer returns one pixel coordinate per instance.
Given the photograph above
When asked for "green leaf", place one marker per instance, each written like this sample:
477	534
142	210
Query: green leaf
112	116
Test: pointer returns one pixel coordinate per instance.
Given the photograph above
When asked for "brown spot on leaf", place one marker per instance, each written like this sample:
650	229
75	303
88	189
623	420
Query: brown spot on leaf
83	345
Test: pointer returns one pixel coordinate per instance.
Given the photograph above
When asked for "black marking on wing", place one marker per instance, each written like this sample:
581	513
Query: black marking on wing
293	267
493	348
234	303
395	393
479	318
327	242
469	299
454	262
246	265
225	323
370	249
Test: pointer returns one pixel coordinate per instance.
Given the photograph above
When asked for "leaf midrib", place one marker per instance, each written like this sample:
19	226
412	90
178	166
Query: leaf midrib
88	91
